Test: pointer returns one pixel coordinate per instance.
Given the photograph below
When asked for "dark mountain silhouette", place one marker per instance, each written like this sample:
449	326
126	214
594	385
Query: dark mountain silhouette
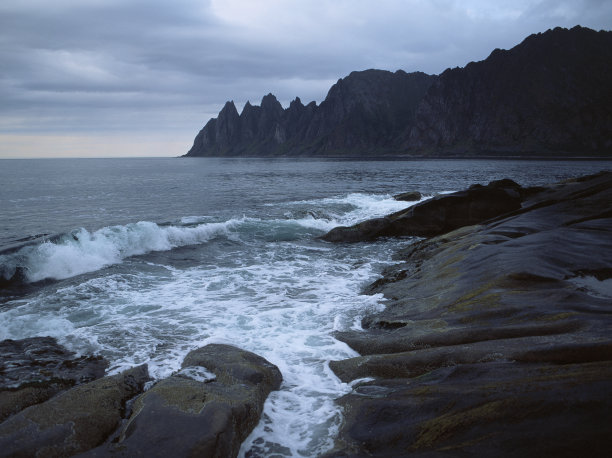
549	95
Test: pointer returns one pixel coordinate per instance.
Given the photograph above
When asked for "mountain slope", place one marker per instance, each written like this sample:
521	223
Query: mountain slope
551	94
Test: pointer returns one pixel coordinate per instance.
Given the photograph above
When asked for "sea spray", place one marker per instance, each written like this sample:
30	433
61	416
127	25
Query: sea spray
82	251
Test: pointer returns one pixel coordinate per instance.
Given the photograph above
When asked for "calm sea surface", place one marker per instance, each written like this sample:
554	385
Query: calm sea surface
143	260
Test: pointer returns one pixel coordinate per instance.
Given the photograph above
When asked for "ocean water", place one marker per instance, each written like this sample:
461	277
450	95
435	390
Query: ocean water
143	260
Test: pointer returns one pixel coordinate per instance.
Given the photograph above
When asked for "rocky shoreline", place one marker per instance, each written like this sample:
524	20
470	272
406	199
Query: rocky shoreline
54	404
496	341
497	337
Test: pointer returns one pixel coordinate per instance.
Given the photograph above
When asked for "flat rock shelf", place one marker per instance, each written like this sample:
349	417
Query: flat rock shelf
496	338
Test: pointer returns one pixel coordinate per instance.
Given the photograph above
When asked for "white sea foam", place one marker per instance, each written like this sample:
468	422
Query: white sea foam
355	207
594	286
197	373
280	295
281	300
84	251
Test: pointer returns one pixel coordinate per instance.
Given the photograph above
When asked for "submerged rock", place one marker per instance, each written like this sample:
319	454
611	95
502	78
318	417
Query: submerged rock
73	421
411	196
496	339
208	415
33	370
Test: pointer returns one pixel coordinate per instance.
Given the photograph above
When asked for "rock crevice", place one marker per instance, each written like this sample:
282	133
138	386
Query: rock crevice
207	408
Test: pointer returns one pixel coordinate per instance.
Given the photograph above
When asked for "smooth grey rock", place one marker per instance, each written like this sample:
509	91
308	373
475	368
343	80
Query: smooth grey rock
493	409
73	421
34	369
183	417
496	339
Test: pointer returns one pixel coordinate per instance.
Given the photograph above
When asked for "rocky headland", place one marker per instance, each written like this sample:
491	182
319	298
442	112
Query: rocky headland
550	96
496	339
55	404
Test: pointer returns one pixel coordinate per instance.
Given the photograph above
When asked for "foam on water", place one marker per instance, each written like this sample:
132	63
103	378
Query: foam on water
279	300
353	208
601	288
83	251
197	373
281	294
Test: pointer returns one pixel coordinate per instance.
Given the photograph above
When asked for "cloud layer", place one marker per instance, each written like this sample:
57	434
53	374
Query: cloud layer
123	67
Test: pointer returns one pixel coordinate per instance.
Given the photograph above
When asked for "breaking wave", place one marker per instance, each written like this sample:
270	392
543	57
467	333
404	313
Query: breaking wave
80	251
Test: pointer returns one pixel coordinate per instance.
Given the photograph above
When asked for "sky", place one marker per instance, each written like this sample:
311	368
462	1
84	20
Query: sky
122	78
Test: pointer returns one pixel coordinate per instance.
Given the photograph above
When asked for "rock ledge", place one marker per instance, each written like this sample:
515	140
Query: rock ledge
496	339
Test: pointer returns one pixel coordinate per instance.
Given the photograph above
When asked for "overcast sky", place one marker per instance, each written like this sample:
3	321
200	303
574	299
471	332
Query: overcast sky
141	77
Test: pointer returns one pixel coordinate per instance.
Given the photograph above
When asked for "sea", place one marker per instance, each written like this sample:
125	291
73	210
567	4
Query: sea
142	260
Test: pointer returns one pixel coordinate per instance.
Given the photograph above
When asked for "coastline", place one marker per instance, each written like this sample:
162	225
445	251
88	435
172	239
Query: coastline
491	330
495	340
393	157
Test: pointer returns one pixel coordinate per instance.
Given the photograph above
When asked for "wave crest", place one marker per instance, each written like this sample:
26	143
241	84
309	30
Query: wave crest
82	251
67	255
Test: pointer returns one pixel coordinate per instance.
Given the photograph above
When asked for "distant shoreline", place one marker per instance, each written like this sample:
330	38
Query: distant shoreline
414	158
339	158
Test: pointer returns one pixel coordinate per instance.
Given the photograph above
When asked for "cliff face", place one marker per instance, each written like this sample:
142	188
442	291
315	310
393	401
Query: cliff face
365	110
550	94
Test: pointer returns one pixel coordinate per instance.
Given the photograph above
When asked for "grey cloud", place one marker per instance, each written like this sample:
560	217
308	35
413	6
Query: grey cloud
132	65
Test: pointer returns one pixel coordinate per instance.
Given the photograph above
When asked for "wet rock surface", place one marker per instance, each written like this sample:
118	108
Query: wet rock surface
410	196
207	409
438	215
57	404
496	339
33	370
494	409
73	421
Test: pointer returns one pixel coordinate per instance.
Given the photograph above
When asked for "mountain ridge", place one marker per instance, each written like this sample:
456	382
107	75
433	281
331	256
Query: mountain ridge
548	95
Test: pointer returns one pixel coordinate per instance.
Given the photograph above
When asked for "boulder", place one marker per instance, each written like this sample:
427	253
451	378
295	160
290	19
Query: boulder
206	409
438	215
411	196
73	421
33	370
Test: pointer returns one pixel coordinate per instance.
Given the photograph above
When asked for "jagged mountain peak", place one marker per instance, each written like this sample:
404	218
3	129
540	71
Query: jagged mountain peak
551	94
270	104
228	110
268	99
